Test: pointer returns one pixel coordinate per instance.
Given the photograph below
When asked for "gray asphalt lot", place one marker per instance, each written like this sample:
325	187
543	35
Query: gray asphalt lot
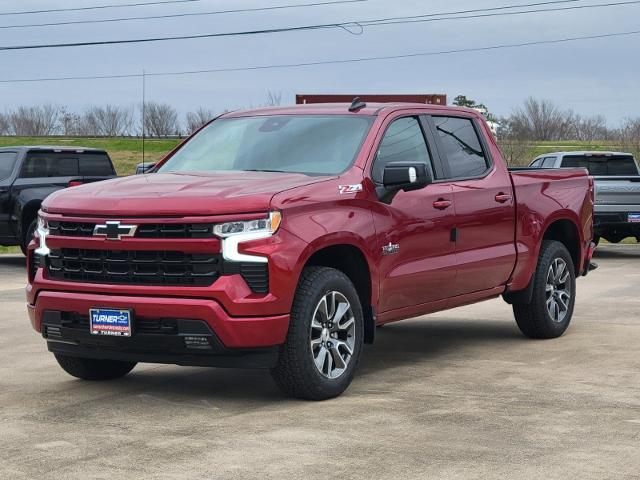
459	394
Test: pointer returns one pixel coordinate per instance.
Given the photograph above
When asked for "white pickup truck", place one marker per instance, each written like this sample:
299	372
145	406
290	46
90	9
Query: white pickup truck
617	181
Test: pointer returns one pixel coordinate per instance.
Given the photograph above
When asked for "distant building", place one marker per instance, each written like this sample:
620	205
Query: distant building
432	99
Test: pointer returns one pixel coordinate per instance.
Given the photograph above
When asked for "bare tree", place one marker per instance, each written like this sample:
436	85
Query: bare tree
540	120
109	121
161	119
198	118
34	121
629	135
513	144
274	99
4	124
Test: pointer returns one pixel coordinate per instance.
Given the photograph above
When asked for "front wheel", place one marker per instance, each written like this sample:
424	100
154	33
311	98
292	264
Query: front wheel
549	312
325	336
93	369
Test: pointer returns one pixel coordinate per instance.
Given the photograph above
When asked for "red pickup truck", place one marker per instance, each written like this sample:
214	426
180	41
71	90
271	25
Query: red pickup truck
281	237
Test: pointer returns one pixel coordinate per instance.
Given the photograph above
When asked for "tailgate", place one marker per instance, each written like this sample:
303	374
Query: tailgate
618	190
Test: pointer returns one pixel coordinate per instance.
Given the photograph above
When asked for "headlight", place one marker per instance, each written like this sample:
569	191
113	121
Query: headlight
43	231
263	225
234	233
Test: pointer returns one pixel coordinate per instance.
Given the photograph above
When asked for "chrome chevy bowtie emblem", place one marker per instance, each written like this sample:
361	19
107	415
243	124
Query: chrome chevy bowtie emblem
114	230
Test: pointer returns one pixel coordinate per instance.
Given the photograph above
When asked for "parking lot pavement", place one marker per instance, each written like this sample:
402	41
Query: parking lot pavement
459	394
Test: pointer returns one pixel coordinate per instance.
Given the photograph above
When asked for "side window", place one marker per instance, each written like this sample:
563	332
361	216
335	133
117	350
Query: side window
537	163
95	165
402	142
462	149
7	162
549	162
43	165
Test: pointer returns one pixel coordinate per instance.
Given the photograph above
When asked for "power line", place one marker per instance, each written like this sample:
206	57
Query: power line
423	19
98	7
330	62
189	14
345	25
218	12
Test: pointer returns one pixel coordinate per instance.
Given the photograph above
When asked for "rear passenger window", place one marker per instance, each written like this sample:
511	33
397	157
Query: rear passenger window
43	164
402	142
95	165
537	163
549	162
462	149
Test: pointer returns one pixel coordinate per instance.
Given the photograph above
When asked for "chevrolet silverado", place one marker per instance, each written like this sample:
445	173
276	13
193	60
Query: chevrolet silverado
281	237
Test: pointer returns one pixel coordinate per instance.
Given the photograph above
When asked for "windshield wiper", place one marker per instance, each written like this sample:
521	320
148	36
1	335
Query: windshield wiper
261	170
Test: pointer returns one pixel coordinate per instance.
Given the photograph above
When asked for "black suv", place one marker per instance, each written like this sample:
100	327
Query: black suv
29	174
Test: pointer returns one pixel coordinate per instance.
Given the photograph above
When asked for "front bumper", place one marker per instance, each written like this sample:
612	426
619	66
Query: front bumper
200	332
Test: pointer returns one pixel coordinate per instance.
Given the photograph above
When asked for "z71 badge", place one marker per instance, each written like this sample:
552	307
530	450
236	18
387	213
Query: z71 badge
346	189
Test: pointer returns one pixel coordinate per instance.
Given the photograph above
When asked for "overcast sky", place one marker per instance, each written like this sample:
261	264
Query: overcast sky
591	77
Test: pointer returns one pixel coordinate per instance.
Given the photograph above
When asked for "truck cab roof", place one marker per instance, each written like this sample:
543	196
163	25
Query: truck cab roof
370	109
59	148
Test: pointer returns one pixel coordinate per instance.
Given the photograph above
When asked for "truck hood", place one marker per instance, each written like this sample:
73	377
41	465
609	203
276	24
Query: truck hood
173	194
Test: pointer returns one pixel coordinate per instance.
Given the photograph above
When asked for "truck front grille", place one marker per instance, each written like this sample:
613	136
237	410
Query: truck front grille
134	267
145	230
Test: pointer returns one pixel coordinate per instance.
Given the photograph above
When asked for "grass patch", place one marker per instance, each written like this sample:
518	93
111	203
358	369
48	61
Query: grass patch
4	250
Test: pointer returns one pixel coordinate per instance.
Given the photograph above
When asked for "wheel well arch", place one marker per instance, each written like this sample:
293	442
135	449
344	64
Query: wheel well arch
28	213
565	231
351	261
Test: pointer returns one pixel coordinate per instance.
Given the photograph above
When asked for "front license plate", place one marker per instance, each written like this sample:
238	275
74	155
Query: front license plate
110	321
634	218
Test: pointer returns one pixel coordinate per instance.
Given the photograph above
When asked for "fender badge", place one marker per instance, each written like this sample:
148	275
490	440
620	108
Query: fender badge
391	249
347	189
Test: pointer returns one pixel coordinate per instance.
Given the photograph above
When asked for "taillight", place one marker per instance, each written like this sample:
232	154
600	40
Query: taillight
74	183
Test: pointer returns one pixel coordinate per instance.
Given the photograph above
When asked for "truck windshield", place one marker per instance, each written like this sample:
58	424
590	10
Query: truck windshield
618	165
7	161
308	144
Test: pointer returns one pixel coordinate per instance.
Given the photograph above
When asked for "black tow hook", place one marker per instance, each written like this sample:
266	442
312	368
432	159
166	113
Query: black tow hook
592	266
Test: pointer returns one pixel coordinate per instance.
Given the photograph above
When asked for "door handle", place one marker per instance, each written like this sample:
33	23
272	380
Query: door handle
502	197
441	204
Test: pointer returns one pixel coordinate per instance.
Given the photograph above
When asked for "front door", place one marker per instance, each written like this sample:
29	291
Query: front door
416	255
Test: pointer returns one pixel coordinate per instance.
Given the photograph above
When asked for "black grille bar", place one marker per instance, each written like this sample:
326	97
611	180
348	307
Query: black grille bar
134	267
145	230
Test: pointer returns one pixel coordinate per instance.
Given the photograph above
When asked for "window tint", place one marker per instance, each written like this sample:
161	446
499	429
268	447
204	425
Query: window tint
7	162
623	165
309	144
49	164
549	162
97	165
402	142
461	145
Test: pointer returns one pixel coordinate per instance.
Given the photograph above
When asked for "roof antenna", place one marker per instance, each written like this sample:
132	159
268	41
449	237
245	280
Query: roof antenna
356	105
144	116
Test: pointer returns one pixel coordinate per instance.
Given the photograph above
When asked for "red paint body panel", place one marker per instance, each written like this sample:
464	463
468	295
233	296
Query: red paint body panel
500	221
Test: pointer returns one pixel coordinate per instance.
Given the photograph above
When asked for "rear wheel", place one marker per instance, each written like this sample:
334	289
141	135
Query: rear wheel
325	336
549	312
93	369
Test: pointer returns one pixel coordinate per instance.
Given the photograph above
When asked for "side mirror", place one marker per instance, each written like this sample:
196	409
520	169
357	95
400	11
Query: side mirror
405	176
144	167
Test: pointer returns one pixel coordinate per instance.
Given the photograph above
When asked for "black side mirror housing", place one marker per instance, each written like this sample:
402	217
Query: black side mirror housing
404	176
144	167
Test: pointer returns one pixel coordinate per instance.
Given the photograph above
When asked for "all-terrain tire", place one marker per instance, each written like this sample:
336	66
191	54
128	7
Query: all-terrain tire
534	318
93	369
296	372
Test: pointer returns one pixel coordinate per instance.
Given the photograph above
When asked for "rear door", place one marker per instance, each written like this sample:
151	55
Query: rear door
7	165
417	256
483	202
